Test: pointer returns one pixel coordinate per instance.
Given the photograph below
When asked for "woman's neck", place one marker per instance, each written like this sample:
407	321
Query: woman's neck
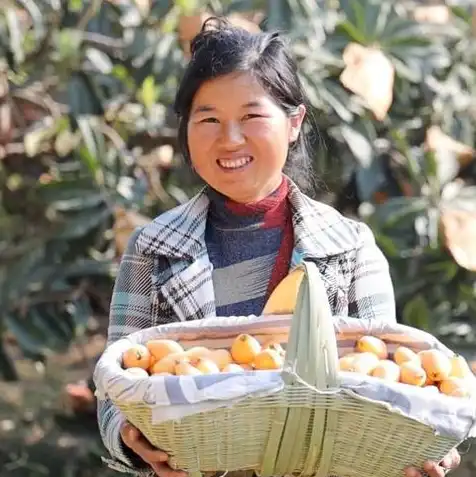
227	213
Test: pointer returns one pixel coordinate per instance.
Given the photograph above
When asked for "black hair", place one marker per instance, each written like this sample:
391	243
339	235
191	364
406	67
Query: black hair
220	49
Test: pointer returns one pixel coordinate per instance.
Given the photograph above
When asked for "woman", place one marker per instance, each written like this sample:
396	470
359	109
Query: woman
241	109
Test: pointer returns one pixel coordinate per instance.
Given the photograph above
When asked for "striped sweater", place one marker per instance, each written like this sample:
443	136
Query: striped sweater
244	276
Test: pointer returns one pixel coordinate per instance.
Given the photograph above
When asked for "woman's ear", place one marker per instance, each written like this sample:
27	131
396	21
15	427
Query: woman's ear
295	121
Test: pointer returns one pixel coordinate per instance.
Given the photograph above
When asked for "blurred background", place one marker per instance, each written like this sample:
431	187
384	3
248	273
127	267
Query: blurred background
88	152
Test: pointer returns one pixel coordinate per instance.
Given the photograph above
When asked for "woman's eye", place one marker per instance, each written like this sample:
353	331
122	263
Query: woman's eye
252	116
209	120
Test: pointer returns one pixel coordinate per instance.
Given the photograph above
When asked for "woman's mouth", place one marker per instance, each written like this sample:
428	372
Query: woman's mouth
235	163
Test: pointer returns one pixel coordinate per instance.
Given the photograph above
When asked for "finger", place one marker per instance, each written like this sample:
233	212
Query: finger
134	439
148	452
155	468
129	433
163	470
434	470
412	472
452	460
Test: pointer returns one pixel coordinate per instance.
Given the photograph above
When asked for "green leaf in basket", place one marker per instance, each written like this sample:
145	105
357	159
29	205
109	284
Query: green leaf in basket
416	313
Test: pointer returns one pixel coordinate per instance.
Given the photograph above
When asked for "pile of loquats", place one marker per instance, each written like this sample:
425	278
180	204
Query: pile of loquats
430	369
166	357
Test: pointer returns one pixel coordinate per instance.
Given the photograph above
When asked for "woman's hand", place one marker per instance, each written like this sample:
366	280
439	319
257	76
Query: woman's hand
157	459
450	462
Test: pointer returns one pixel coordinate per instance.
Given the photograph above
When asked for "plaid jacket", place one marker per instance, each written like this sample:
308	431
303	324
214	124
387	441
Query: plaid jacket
165	275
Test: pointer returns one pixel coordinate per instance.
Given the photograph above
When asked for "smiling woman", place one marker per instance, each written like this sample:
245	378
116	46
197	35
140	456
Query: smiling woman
238	136
241	110
241	114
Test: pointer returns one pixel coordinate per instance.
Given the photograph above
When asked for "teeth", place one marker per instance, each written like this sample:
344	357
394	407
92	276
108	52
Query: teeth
234	163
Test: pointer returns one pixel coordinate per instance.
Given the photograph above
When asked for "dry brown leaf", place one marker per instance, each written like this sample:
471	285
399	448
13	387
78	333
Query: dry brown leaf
439	14
6	125
247	22
78	398
370	75
436	140
160	157
190	25
125	223
459	232
143	6
152	164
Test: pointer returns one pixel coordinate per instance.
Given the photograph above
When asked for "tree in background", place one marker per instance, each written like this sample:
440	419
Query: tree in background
88	149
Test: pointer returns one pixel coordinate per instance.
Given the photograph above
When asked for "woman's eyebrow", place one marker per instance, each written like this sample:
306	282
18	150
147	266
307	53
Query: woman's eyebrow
252	104
205	108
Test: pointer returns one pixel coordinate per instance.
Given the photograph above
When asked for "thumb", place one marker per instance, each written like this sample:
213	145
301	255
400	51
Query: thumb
131	432
134	433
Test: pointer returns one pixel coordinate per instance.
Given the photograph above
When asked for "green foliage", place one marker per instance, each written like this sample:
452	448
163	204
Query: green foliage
85	93
88	88
401	181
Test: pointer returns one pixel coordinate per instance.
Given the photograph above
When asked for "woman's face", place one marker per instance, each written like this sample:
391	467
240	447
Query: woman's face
238	137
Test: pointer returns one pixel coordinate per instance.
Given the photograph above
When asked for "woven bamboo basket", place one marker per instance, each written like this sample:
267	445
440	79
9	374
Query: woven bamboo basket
309	427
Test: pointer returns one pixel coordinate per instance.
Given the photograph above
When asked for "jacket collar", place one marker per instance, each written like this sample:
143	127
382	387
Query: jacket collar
319	230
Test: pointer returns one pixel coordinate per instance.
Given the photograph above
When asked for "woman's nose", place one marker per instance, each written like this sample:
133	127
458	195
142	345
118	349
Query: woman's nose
232	135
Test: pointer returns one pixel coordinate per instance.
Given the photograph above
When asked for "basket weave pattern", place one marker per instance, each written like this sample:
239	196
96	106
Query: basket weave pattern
368	440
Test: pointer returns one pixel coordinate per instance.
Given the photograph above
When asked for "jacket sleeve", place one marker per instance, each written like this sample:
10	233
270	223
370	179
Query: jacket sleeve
371	293
130	310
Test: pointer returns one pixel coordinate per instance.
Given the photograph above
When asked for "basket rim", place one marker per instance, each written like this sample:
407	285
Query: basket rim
112	381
